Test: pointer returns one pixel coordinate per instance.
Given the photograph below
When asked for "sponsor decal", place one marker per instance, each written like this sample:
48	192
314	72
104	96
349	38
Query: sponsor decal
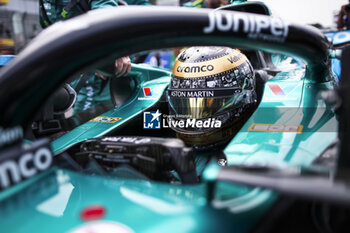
104	119
209	67
93	212
10	135
276	89
18	164
147	91
195	69
6	42
147	94
4	2
203	93
191	94
255	26
282	91
134	140
151	120
276	128
102	227
89	93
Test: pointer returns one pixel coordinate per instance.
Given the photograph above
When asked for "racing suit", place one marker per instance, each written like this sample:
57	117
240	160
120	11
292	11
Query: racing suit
210	3
95	90
54	8
195	3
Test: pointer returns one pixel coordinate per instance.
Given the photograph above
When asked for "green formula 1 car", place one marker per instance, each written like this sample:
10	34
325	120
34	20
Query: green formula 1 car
119	166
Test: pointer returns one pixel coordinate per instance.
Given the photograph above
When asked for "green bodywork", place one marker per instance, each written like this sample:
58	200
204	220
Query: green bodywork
54	200
55	9
57	197
145	76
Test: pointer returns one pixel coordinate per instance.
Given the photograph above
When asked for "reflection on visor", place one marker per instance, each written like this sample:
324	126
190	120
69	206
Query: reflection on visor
199	108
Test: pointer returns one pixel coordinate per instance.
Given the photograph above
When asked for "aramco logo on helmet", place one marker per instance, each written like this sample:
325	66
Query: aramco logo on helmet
152	120
195	69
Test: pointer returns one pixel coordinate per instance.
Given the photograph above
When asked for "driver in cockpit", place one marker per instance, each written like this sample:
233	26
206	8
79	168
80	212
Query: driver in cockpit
211	95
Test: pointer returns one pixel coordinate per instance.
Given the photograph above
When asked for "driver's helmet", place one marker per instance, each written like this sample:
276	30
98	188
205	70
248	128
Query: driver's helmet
211	94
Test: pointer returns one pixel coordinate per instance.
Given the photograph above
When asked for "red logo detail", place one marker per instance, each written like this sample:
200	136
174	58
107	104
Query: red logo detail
276	89
93	212
147	91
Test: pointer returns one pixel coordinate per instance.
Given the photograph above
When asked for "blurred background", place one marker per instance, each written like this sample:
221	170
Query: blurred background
19	19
